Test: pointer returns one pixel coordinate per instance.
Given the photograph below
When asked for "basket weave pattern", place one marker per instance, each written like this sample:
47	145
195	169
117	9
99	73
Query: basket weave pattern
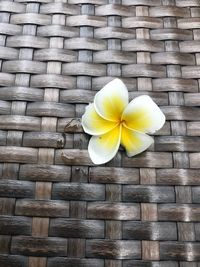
56	208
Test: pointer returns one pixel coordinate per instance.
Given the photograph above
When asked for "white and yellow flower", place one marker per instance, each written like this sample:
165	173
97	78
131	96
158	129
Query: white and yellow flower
113	121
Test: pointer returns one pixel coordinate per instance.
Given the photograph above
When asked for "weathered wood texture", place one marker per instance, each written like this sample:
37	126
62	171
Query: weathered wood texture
57	209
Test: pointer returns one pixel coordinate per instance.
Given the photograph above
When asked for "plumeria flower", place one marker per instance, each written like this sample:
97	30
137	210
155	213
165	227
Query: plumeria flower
113	121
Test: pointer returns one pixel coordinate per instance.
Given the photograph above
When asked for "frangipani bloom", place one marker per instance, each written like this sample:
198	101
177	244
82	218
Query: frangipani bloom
113	121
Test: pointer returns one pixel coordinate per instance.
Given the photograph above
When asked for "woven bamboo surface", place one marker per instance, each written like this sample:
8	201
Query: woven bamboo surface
63	211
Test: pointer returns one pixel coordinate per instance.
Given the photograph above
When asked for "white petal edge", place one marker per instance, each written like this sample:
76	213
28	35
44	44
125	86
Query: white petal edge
93	124
152	111
98	150
113	90
135	142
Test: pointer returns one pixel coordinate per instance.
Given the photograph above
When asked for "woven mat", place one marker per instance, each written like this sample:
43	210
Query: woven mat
67	212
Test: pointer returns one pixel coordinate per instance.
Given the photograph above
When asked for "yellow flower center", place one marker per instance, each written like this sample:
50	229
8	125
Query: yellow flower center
122	122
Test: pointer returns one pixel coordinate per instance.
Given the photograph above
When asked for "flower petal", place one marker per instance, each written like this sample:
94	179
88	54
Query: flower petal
111	100
142	114
104	147
135	142
93	124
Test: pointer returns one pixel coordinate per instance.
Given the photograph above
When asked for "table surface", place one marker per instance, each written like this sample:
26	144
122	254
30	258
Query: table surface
63	211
